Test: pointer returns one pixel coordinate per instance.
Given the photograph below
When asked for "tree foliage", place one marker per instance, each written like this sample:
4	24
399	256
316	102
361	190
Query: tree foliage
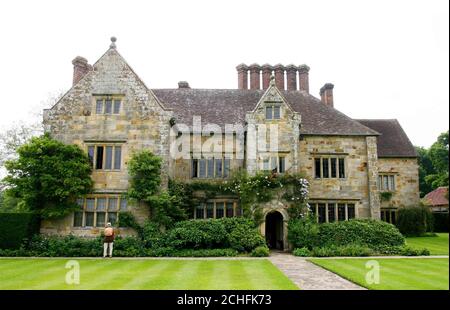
433	165
48	176
166	207
145	171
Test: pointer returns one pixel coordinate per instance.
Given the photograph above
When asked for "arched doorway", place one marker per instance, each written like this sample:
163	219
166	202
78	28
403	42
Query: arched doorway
274	230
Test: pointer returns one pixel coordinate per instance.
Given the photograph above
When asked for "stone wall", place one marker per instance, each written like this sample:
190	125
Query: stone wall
354	187
406	171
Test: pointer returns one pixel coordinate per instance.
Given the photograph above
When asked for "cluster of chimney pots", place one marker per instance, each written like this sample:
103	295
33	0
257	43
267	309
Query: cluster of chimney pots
256	77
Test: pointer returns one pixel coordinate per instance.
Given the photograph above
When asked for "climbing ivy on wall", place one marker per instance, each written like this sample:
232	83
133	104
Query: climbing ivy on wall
252	191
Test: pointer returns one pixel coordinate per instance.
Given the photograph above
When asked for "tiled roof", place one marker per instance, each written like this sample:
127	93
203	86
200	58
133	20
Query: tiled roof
393	141
229	106
437	197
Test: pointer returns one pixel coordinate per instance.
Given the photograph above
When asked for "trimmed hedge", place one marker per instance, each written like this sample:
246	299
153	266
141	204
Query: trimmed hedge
414	221
15	227
239	234
363	232
220	237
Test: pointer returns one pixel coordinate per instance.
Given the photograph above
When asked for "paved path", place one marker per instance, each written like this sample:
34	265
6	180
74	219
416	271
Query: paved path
308	276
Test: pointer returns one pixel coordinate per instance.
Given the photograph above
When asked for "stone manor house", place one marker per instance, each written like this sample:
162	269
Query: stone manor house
357	168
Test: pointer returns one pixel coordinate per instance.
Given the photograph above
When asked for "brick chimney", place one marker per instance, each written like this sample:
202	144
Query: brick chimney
279	76
242	76
266	73
254	76
183	84
326	94
80	68
303	78
291	77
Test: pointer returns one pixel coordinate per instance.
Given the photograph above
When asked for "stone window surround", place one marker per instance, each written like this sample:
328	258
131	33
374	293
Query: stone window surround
269	157
225	172
273	106
119	208
329	155
104	144
392	182
315	204
104	97
389	214
223	201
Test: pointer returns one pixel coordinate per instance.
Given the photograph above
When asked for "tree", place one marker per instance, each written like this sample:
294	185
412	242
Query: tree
425	168
48	176
439	157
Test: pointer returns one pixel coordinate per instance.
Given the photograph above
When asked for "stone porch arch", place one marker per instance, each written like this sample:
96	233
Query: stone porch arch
281	209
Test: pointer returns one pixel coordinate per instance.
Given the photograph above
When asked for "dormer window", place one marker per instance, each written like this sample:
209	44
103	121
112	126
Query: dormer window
108	105
273	112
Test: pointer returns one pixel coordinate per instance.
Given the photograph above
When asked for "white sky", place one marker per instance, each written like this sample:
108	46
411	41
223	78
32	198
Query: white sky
387	59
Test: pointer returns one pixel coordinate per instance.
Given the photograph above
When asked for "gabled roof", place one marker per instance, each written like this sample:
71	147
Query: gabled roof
393	141
438	197
229	106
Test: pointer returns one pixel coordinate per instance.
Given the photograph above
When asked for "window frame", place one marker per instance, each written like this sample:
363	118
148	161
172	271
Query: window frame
325	162
217	173
317	206
270	163
222	204
100	102
391	182
84	210
95	159
271	116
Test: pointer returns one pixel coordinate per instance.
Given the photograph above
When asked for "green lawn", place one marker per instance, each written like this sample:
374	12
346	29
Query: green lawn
437	245
395	273
144	274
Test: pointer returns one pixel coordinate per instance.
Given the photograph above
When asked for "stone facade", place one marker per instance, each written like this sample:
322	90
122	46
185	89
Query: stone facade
144	122
406	172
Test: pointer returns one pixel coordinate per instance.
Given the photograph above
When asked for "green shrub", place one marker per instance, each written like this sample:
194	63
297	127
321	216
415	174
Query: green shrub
244	239
261	251
408	251
15	227
303	252
303	233
346	250
197	234
441	222
128	247
414	221
70	246
368	232
402	250
239	234
152	235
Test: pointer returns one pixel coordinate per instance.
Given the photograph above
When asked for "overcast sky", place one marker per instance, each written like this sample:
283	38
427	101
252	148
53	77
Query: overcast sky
387	59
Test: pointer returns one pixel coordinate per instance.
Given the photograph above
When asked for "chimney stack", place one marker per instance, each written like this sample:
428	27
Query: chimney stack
303	78
80	68
242	76
183	84
266	74
326	94
254	76
279	76
291	77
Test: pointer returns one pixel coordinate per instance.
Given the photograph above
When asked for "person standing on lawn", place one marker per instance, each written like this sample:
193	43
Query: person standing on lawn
108	241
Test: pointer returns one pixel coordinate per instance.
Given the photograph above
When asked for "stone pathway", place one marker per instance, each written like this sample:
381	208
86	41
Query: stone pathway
308	276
